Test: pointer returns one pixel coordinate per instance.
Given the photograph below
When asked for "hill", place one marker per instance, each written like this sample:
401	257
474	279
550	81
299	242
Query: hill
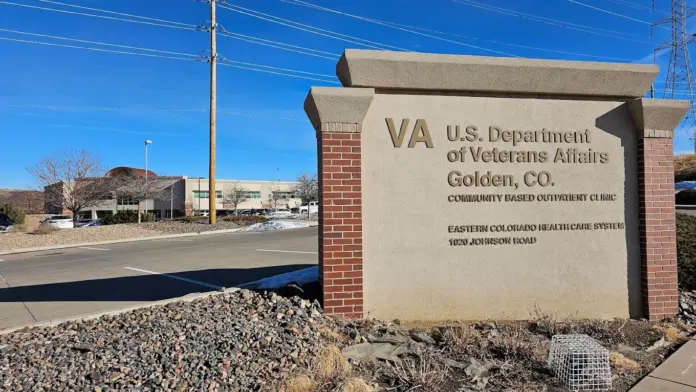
685	167
31	201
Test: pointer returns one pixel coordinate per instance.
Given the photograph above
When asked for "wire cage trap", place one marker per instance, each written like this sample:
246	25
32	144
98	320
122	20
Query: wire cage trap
580	362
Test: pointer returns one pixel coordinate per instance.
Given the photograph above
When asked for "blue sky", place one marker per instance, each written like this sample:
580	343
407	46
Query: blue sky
54	98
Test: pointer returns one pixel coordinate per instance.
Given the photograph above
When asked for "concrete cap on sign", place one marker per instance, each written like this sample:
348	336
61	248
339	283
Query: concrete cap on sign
657	114
337	105
439	72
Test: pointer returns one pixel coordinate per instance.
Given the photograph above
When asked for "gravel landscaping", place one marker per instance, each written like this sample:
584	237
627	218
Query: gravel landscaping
19	240
246	341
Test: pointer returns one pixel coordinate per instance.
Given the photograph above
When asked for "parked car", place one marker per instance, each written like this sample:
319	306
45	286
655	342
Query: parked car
59	221
5	223
88	222
312	207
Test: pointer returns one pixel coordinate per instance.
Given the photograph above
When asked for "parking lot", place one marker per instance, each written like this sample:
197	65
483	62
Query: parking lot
56	284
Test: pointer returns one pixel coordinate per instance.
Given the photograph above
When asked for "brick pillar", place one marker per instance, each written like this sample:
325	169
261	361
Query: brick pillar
657	226
340	219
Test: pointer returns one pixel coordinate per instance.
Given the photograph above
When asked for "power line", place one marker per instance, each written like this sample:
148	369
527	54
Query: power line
231	63
297	2
308	28
611	13
538	18
117	13
635	6
96	49
397	27
278	68
279	73
100	16
279	45
96	42
552	22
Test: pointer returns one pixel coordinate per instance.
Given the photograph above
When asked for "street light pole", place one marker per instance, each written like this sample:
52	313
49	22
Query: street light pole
147	142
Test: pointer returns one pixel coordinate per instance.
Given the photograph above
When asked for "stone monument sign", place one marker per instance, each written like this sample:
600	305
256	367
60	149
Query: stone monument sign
460	187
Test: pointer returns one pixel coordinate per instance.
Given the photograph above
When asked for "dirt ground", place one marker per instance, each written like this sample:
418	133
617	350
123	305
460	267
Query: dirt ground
485	355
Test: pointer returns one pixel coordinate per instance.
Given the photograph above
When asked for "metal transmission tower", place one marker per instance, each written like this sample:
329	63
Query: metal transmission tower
680	81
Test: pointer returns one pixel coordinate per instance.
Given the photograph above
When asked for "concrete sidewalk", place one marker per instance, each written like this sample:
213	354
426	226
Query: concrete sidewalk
676	374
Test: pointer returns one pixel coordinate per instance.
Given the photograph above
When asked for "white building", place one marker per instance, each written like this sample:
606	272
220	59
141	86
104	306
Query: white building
185	196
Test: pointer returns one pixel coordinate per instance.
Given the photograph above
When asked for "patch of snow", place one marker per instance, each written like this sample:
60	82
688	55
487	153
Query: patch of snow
273	226
299	277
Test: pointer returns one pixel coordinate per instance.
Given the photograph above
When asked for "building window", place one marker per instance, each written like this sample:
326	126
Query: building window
285	195
126	201
252	195
206	194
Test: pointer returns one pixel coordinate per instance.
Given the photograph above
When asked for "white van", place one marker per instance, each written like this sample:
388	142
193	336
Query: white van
59	221
312	207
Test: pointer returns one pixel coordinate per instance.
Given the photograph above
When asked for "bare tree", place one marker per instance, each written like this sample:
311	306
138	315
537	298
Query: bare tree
137	189
307	188
274	196
72	180
235	196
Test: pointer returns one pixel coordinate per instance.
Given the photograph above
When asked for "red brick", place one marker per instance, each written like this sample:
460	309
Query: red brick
336	302
659	281
341	222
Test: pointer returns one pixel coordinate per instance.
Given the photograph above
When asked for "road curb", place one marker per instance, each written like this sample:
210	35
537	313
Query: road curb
157	237
91	316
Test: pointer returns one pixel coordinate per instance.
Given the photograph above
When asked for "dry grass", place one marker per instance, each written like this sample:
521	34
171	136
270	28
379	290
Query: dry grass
424	373
671	334
24	228
621	363
300	383
329	372
356	385
513	343
462	340
330	334
330	366
32	222
45	230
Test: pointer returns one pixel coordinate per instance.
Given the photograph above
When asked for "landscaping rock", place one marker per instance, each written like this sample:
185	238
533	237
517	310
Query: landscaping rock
376	351
207	344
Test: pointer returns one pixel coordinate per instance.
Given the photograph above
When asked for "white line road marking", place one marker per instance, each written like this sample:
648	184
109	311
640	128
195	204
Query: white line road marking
208	285
88	248
285	251
1	260
182	240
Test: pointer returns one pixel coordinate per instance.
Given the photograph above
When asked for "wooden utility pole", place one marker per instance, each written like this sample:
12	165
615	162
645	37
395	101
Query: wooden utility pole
212	195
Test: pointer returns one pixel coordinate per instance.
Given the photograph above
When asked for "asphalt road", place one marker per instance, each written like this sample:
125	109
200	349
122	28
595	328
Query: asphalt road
43	286
689	210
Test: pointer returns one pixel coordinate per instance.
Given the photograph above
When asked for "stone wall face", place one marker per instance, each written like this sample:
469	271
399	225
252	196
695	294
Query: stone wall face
461	187
411	269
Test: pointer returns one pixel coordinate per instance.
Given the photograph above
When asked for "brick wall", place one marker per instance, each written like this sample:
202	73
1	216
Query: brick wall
657	227
340	219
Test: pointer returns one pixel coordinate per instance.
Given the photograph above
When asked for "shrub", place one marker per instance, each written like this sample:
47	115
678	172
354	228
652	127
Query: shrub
125	216
147	217
15	212
244	220
686	251
46	230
